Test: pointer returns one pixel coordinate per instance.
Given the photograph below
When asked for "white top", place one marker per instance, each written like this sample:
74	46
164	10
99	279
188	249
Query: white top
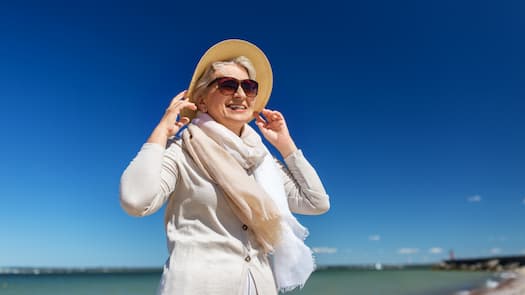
211	251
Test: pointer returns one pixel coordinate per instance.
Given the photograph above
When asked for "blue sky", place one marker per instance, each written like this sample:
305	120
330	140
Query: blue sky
411	111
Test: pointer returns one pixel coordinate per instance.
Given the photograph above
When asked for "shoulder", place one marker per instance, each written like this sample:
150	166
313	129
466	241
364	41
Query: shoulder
174	147
174	142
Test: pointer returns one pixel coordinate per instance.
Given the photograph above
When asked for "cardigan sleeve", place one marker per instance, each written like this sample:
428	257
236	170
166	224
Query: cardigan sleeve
148	180
304	189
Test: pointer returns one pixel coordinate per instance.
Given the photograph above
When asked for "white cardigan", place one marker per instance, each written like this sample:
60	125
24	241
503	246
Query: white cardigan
211	251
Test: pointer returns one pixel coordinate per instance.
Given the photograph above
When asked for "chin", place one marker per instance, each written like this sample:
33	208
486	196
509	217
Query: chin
241	117
240	121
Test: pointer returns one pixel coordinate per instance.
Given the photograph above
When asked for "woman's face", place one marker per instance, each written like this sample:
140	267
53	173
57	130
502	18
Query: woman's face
232	111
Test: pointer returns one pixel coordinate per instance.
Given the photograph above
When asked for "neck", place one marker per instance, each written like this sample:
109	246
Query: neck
237	130
234	127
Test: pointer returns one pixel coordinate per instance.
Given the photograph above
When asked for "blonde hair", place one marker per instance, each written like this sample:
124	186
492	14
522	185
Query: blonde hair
202	84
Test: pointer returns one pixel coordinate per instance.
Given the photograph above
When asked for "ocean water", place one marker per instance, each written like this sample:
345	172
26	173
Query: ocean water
325	282
391	282
79	284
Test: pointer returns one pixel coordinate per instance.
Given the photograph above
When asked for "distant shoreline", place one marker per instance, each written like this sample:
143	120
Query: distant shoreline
77	270
496	264
141	270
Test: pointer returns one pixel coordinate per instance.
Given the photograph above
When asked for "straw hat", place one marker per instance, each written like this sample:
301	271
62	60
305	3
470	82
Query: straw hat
227	50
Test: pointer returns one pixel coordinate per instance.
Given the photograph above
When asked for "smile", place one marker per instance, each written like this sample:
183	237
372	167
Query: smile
236	107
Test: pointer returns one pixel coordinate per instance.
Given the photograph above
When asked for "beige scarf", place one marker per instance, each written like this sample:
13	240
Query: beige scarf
249	176
229	164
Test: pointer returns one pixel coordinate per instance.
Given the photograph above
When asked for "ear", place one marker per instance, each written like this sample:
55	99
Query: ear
201	105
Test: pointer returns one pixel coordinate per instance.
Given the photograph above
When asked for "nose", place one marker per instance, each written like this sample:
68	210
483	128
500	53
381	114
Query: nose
239	93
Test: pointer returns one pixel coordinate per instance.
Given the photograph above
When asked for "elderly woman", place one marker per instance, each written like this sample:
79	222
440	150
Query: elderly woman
228	218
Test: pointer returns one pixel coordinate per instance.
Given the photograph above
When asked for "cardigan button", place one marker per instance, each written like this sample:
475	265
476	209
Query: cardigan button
247	259
244	227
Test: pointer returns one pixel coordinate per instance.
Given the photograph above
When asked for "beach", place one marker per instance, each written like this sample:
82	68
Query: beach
512	283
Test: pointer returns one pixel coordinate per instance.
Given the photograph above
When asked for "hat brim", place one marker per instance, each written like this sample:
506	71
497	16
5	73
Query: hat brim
227	50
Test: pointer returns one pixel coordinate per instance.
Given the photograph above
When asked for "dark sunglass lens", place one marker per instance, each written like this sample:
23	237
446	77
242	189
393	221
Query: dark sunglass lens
228	86
250	87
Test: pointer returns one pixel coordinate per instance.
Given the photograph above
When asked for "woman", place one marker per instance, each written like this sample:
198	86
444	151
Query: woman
228	221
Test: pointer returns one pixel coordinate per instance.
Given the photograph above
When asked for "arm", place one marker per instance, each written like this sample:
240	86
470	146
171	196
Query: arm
306	194
149	179
303	187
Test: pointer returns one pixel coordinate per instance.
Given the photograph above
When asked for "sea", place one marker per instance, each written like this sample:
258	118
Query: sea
338	281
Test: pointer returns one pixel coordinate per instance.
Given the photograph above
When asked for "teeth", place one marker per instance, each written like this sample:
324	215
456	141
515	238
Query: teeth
237	107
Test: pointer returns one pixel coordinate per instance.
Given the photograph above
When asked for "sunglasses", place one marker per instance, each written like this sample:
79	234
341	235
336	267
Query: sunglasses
229	85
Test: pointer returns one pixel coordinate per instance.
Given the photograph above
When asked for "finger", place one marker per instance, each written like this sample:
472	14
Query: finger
173	112
259	117
182	104
178	97
191	105
178	103
272	115
264	129
266	112
277	115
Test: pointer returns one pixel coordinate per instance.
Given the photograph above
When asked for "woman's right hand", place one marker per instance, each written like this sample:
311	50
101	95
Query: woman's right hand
168	125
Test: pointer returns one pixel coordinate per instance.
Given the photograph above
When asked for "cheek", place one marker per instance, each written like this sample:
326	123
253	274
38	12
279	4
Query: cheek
215	105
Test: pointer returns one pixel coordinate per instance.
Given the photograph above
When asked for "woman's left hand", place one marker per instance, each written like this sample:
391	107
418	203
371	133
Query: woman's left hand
275	131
